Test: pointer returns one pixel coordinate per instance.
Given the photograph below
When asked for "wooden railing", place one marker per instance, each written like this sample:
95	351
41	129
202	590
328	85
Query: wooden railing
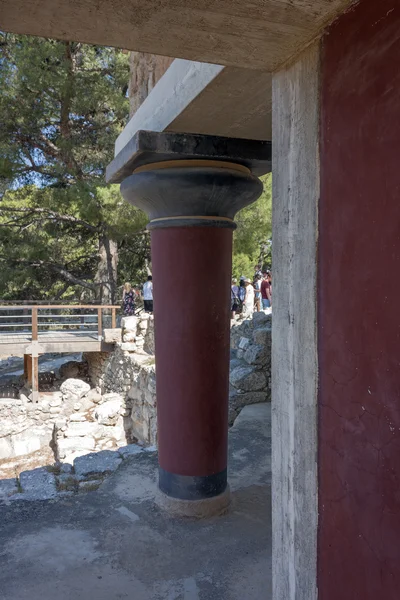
32	321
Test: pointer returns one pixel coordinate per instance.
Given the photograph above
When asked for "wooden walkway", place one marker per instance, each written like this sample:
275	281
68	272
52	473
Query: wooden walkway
52	341
54	328
31	330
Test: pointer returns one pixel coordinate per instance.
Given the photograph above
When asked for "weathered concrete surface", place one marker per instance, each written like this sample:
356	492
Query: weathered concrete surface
116	543
256	34
295	125
201	98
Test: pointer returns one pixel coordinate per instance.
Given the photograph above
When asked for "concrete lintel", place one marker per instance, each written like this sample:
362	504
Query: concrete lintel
178	87
206	99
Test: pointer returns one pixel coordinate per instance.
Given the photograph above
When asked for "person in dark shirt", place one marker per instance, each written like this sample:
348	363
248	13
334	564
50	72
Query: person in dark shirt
266	291
235	301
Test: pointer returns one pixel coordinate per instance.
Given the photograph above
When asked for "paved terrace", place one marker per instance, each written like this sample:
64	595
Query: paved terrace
115	543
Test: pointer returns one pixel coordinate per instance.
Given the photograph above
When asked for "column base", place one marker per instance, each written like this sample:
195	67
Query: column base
197	509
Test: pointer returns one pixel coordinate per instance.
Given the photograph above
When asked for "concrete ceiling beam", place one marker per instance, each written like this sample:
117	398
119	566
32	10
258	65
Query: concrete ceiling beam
256	34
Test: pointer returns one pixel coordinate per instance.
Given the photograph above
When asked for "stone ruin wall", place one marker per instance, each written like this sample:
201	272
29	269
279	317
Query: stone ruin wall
117	404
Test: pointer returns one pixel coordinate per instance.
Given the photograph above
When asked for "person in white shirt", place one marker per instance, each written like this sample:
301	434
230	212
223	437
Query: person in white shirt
148	295
248	304
257	289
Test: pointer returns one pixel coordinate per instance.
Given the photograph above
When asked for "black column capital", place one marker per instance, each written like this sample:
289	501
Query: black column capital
192	180
191	193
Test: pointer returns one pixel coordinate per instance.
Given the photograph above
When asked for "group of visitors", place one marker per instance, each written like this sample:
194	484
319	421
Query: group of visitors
130	295
247	297
250	296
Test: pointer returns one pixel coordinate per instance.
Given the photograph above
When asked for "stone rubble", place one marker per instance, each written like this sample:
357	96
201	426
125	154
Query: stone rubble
93	466
118	406
250	366
62	479
38	484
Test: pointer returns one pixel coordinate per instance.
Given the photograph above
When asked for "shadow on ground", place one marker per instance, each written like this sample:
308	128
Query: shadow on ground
115	543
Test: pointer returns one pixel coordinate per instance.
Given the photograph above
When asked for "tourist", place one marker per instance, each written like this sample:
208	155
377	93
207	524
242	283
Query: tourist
270	284
235	300
148	295
128	300
257	289
248	305
266	291
257	272
242	291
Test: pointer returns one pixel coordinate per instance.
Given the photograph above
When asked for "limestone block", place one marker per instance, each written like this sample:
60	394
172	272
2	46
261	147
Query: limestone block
247	379
134	392
74	389
243	343
31	440
6	449
262	336
67	446
235	362
108	412
238	400
78	416
129	336
150	399
130	450
72	455
97	464
256	355
56	401
151	383
8	487
38	484
260	319
128	347
129	323
141	431
81	429
93	396
153	434
112	336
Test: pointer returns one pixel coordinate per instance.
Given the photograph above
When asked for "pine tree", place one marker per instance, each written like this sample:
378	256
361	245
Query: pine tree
62	105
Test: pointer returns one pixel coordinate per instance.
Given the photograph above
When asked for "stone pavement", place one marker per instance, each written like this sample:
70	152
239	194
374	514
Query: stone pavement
115	543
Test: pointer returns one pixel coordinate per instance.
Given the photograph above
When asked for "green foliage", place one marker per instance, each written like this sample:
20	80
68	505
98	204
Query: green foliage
252	239
62	105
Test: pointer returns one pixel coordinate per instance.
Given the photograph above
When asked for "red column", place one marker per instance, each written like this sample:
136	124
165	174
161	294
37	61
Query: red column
191	274
191	205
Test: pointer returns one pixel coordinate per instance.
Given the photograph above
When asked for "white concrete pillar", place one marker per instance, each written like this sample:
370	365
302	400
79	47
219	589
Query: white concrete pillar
295	167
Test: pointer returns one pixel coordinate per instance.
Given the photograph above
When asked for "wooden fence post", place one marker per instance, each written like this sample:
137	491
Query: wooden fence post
113	318
100	323
34	323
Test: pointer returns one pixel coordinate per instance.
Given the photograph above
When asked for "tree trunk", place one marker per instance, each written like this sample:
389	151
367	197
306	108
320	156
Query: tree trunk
146	70
106	276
